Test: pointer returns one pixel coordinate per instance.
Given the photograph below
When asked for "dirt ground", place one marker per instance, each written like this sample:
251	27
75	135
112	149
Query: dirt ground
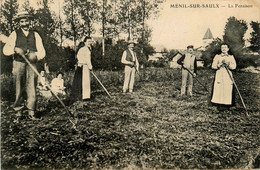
152	128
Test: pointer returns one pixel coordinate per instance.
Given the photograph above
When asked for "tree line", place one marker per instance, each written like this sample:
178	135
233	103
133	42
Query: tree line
117	18
78	18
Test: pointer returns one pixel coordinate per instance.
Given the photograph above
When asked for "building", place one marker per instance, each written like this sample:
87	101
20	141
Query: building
156	56
208	38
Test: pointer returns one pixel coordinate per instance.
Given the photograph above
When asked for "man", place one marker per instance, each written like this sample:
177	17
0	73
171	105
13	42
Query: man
28	43
188	63
131	63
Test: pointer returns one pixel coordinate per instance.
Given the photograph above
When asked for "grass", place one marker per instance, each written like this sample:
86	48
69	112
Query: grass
152	128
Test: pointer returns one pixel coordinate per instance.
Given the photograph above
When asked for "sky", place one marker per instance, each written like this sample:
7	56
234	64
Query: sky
177	27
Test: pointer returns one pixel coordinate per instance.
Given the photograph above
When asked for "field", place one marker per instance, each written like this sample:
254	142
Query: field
151	128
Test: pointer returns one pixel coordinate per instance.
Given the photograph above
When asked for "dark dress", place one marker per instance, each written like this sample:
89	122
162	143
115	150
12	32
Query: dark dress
76	93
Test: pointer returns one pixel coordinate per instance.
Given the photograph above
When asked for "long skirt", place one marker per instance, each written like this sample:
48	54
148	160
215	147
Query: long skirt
81	84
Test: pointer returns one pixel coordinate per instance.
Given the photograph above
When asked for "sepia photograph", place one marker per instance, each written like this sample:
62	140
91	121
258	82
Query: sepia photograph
130	84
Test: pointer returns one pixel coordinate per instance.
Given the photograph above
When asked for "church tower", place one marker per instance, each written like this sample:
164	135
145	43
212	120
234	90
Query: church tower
208	38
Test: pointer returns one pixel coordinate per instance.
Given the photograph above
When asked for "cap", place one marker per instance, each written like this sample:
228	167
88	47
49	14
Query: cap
190	46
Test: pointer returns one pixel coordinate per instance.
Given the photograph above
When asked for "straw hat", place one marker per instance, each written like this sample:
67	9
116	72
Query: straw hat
22	14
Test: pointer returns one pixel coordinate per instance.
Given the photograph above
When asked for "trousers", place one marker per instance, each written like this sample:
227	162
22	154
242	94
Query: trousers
25	84
129	78
186	76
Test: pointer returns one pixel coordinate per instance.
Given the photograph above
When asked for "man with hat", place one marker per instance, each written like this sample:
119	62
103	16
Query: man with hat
25	42
129	59
189	65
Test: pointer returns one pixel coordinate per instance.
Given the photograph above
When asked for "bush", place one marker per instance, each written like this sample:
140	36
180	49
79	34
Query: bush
211	50
246	60
6	61
7	87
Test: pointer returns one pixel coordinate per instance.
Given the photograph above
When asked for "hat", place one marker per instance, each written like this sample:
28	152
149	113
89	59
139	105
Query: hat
23	14
190	46
131	42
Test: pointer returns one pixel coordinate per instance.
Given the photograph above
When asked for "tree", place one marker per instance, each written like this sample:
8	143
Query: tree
75	25
8	11
45	24
27	7
128	17
211	50
255	37
144	49
145	9
234	34
112	22
88	11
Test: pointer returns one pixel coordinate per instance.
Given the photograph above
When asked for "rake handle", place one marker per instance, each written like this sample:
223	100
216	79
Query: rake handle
196	79
244	105
101	84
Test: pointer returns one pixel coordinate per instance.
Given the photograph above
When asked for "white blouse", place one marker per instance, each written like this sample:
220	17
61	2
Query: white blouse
84	57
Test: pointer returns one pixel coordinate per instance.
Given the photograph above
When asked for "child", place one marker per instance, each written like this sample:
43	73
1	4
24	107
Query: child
41	85
189	69
57	84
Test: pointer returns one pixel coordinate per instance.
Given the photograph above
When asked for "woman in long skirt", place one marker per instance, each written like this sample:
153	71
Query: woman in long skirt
81	84
223	91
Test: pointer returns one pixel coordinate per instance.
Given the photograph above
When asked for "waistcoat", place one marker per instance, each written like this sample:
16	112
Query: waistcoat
25	43
129	56
189	61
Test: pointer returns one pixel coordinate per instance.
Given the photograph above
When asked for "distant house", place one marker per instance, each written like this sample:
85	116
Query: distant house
156	56
173	63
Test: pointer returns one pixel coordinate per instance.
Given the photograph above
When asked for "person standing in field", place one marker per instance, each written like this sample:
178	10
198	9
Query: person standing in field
223	91
26	42
189	69
129	59
81	83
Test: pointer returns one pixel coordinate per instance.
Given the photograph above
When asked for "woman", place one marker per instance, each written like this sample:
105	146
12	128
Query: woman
81	83
57	84
223	91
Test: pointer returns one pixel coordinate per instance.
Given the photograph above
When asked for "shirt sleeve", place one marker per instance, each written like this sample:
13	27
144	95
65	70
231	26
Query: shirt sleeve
10	44
123	59
136	61
195	65
233	63
180	60
39	46
215	63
